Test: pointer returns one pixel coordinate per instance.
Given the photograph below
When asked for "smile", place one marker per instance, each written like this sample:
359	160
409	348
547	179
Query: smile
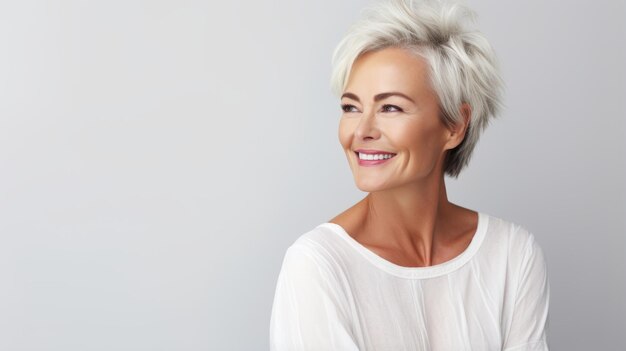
373	159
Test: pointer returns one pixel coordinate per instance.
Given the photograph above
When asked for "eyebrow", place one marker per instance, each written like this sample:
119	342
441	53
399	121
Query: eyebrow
378	97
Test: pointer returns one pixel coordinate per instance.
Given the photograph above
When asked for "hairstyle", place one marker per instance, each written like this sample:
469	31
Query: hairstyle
461	63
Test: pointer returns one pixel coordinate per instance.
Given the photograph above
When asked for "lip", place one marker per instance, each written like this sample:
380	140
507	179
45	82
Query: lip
369	151
367	163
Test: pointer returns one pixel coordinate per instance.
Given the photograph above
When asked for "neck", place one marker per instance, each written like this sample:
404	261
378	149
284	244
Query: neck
410	217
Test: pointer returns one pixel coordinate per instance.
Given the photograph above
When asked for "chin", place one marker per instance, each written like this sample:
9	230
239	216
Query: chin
370	186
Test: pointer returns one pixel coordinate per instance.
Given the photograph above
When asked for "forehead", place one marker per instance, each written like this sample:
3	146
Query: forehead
389	69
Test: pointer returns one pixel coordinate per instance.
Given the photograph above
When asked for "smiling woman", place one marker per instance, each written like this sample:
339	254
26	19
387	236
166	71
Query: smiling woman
404	121
404	268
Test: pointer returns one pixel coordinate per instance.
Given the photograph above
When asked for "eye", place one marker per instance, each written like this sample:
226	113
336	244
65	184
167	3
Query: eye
347	107
392	107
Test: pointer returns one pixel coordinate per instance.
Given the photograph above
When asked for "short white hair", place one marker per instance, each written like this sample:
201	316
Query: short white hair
462	64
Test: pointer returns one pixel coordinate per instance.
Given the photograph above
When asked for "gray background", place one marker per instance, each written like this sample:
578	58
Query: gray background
158	157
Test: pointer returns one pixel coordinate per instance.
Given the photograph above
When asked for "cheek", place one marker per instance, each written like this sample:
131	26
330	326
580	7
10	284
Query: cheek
418	137
407	135
345	133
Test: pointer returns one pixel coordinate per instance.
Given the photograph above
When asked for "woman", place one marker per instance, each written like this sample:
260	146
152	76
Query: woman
404	268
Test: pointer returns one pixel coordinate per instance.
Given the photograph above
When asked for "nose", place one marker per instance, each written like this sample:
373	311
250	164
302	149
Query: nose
367	127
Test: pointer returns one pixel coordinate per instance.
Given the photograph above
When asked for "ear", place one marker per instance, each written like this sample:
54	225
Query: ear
456	133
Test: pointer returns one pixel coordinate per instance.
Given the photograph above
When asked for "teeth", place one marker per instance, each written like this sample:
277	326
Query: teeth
363	156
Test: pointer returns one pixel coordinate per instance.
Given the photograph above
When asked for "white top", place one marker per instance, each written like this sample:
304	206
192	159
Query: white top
335	294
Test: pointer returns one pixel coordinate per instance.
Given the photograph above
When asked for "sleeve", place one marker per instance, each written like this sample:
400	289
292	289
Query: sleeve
530	317
307	312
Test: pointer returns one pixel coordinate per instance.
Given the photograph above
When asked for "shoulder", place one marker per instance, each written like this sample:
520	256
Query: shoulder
311	266
517	243
314	250
517	238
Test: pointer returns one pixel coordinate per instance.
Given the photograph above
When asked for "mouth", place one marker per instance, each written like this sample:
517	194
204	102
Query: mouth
373	159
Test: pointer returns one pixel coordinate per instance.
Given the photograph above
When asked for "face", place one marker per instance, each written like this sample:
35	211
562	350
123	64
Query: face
389	107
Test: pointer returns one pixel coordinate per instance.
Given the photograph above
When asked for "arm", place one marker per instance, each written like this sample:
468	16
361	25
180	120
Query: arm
308	313
529	322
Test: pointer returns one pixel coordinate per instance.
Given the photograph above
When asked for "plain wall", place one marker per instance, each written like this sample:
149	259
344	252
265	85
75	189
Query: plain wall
158	157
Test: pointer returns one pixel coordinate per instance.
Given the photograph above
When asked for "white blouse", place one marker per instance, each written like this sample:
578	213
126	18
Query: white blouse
335	294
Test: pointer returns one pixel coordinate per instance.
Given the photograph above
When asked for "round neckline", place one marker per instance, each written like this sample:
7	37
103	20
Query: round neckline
417	272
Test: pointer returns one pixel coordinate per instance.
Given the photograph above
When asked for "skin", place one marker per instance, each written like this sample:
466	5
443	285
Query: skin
406	217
